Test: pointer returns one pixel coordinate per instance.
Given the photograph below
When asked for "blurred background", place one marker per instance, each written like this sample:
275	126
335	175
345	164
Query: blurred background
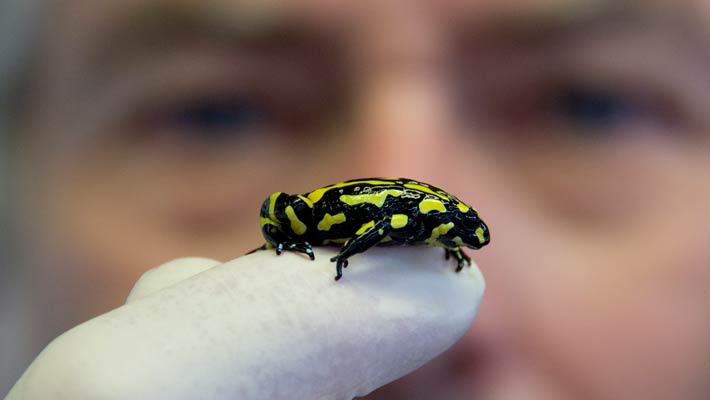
135	132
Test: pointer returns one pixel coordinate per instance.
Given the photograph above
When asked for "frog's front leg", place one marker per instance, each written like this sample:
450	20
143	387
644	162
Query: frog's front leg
301	247
277	239
461	257
367	236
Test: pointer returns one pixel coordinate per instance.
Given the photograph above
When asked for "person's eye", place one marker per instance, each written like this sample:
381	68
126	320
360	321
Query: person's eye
594	109
580	110
215	118
598	111
210	118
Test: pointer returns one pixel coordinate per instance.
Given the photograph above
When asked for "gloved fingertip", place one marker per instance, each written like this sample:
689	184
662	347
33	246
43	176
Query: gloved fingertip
169	274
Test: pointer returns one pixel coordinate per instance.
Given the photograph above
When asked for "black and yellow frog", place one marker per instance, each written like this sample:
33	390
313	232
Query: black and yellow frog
362	213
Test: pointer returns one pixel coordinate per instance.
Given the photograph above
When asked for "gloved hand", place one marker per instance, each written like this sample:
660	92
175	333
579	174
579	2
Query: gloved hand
264	327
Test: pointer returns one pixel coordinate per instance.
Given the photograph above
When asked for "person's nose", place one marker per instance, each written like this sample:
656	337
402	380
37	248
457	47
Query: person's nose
403	126
403	113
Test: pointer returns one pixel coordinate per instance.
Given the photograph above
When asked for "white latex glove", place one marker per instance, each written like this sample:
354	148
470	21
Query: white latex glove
264	327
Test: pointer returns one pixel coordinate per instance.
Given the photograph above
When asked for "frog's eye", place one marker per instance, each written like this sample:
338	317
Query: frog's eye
470	221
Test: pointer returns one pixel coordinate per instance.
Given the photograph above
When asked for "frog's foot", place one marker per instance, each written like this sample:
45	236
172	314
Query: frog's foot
302	247
461	257
340	263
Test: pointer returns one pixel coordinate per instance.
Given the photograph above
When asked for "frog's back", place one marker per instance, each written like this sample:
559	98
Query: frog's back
342	209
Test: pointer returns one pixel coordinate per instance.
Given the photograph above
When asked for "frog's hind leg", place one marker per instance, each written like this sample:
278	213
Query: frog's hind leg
361	242
264	246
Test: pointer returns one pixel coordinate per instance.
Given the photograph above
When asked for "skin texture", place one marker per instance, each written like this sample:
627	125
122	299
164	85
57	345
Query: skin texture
578	129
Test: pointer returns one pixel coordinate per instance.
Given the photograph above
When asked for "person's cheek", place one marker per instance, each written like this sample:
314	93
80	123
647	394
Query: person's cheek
596	326
601	309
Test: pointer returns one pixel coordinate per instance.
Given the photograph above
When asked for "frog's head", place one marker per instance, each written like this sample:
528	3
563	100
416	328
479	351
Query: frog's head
289	214
469	229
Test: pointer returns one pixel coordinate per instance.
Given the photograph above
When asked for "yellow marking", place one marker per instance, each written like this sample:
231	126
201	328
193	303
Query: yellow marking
305	200
266	221
437	232
317	194
365	227
329	220
386	239
272	205
444	228
463	207
298	227
399	221
480	236
425	189
336	241
428	205
458	240
377	199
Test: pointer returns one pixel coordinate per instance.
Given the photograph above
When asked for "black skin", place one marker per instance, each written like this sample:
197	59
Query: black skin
416	232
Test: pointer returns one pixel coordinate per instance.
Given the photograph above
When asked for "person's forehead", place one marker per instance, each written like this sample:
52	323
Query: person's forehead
113	22
102	14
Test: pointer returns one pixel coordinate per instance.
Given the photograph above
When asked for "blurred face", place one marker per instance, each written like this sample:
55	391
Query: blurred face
579	130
